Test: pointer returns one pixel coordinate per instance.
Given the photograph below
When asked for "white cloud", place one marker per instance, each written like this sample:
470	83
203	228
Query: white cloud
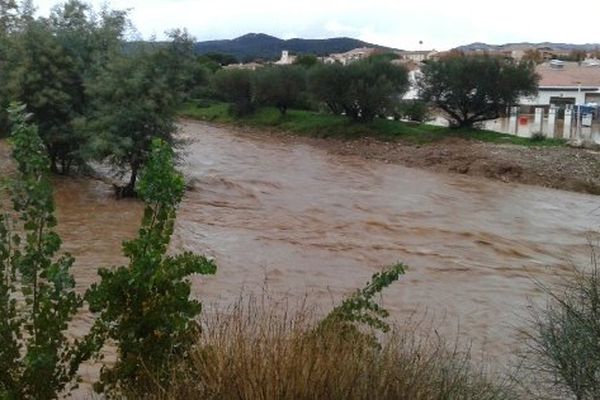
439	24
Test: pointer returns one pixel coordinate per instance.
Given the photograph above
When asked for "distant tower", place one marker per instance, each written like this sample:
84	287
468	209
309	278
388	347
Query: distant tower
285	56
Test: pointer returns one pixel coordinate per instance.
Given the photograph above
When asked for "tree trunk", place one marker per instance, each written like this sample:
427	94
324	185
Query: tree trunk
53	167
129	189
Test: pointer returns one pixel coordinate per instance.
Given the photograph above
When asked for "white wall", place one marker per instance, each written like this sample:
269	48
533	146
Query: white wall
544	95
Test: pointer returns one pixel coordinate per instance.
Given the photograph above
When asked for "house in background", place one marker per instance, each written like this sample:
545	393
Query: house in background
286	58
566	83
418	56
349	56
252	66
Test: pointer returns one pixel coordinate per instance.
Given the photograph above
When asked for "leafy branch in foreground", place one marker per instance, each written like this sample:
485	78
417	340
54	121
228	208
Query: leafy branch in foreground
361	307
37	297
145	307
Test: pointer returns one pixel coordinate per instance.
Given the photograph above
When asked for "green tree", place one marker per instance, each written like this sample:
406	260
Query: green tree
9	16
8	21
179	64
472	89
279	86
235	86
45	79
306	60
362	90
221	59
38	361
374	87
145	306
134	103
51	62
329	83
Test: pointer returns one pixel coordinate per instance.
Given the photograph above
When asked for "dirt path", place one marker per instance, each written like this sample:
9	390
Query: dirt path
564	168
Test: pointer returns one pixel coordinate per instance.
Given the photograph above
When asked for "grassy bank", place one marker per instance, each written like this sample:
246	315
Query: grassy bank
258	351
326	125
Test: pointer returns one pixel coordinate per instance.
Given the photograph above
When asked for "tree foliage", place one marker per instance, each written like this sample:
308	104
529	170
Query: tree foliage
472	89
279	86
177	61
361	90
306	60
37	296
134	103
235	86
360	308
220	59
49	64
145	306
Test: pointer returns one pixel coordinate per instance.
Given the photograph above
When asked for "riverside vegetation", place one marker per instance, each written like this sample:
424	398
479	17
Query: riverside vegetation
83	95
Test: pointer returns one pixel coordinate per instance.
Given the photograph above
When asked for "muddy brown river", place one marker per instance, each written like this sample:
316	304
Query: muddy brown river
277	212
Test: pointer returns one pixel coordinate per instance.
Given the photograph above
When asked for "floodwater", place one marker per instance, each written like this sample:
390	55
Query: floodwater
294	219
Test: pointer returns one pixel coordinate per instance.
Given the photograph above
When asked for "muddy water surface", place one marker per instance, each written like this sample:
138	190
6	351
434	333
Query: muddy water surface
304	221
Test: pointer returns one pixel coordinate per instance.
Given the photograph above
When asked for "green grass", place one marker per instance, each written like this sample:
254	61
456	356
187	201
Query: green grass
314	124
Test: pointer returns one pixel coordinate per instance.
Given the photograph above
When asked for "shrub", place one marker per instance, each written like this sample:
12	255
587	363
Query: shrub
413	110
564	347
538	137
260	351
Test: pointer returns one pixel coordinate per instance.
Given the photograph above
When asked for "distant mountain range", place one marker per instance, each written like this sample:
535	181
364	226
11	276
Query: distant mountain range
259	45
525	45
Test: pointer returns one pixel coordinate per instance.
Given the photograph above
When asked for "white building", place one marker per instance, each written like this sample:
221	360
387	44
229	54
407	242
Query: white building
562	83
286	58
349	56
418	56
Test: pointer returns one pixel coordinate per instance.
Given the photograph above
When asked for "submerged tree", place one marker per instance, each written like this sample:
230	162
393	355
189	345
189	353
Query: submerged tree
472	89
134	104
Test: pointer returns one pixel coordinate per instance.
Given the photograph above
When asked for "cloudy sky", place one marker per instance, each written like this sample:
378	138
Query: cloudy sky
396	23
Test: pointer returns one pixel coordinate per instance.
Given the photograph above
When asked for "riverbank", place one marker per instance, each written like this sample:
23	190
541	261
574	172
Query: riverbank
548	163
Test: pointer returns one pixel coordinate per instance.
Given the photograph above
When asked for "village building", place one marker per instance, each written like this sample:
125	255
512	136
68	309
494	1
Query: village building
349	56
248	66
418	56
566	83
286	58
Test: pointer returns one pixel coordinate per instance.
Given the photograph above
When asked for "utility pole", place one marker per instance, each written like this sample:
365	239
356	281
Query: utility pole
578	104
